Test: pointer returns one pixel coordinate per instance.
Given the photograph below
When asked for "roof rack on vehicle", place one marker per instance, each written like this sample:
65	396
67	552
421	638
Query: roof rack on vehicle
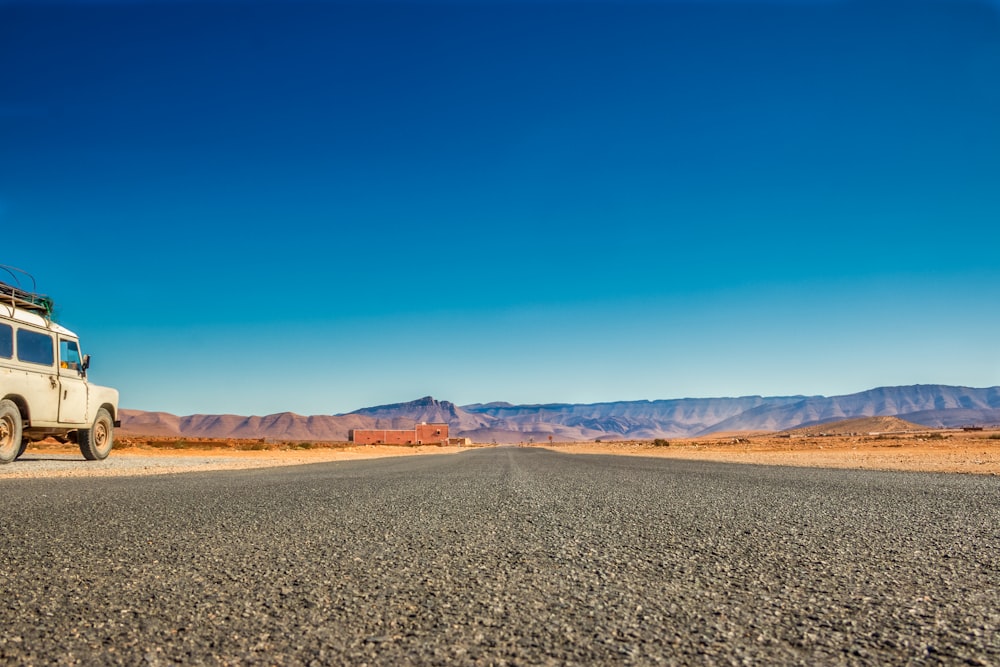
19	297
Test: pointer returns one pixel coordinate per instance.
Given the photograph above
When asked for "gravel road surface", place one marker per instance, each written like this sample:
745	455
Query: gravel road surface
503	556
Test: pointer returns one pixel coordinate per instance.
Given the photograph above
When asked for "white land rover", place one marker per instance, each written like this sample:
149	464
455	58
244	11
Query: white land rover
43	381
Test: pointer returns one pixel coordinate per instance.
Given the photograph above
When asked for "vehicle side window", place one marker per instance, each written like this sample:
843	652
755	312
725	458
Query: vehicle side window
6	341
35	348
69	355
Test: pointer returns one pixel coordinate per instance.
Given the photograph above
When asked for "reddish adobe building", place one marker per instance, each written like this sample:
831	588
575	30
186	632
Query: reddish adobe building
421	434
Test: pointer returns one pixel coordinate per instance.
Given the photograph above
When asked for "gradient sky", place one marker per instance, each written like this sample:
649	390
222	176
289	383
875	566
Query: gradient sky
317	207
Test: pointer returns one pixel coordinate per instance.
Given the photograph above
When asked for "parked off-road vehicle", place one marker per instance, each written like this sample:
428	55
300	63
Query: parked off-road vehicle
43	380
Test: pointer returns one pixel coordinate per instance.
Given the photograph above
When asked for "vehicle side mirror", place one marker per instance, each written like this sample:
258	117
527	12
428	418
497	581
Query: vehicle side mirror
86	363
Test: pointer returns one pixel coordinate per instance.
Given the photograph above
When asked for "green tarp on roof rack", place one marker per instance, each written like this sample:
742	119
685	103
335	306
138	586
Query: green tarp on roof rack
25	299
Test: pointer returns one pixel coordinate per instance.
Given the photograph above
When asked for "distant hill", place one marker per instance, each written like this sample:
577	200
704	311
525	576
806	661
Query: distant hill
926	405
426	409
281	426
955	417
859	425
624	419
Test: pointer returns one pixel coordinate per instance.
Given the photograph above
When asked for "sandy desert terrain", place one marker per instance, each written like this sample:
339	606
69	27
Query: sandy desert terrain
51	459
938	451
954	451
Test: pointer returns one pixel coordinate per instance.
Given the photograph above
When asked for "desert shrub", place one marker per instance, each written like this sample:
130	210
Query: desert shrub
597	440
256	446
305	445
938	436
183	444
995	436
660	442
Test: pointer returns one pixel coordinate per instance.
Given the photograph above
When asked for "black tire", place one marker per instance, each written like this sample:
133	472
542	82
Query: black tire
95	442
10	431
24	446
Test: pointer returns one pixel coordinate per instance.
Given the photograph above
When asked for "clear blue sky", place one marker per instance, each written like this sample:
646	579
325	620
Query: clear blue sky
316	207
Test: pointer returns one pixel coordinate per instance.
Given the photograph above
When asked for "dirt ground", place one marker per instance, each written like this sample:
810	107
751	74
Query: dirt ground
939	451
51	459
975	452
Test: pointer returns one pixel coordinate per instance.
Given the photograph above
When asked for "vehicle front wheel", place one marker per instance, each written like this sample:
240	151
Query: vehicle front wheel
95	442
10	431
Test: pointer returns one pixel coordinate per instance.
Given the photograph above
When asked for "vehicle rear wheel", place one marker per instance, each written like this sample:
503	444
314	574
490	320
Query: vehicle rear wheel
95	442
10	431
24	446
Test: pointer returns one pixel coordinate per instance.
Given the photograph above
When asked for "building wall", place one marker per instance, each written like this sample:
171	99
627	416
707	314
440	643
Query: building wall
431	432
421	433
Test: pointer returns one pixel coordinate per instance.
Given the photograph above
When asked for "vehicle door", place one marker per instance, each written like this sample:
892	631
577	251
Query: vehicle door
72	383
8	376
36	357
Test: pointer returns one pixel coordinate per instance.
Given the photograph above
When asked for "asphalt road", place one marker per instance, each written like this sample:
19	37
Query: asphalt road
502	556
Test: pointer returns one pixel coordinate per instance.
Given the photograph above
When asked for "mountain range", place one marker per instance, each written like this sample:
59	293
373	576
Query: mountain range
929	405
